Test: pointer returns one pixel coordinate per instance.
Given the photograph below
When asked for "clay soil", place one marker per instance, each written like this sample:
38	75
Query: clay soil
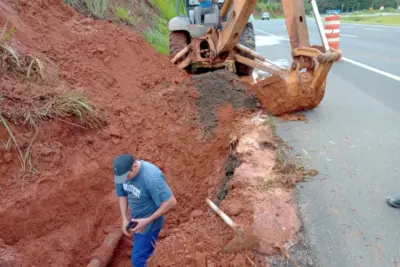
59	215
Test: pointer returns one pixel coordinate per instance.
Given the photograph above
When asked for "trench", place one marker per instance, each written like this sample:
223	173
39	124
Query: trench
232	163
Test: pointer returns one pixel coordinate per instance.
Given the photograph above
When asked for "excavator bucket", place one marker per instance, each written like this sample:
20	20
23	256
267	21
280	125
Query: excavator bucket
289	92
303	86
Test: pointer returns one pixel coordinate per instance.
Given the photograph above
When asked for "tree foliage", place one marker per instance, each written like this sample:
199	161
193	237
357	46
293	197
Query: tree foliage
324	5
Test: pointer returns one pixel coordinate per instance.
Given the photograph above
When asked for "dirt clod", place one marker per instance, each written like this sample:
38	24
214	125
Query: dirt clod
7	157
196	213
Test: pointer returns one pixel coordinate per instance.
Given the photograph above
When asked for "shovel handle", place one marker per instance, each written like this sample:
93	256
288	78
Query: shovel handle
221	214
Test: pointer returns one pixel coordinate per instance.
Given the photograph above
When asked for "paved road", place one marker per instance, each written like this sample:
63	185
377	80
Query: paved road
353	139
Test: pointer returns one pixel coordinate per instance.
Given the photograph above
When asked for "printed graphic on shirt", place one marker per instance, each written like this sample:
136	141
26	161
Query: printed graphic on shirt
132	189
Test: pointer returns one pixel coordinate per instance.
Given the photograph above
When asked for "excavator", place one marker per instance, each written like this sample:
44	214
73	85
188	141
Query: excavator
224	38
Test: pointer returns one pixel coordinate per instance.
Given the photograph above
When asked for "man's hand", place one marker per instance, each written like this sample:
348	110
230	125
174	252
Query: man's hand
125	223
141	225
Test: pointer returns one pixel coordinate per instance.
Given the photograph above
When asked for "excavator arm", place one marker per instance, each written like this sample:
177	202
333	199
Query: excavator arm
302	87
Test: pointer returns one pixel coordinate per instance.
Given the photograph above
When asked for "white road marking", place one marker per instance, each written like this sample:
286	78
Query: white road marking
370	25
270	34
381	72
372	29
348	35
347	27
283	26
263	40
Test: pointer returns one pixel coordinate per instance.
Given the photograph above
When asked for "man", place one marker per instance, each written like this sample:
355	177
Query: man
205	7
394	202
143	186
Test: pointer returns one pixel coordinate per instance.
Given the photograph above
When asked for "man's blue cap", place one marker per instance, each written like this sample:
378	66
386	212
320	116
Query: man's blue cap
122	165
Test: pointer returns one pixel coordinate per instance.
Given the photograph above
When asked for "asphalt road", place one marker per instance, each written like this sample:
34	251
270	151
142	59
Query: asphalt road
353	139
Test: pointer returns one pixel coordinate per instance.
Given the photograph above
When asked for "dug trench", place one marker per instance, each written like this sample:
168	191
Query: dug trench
189	127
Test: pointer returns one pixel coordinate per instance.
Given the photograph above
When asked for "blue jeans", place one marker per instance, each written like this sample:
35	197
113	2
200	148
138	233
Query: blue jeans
143	248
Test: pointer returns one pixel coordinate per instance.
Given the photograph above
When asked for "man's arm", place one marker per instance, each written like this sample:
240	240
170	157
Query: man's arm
123	207
162	196
163	209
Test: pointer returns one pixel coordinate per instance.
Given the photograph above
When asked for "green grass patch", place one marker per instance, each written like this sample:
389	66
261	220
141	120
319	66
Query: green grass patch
98	8
157	39
276	10
378	20
124	14
158	34
167	8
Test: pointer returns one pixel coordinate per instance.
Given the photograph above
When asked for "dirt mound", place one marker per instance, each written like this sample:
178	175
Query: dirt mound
60	212
217	89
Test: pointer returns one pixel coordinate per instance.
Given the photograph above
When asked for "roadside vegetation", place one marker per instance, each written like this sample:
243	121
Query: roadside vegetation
148	17
37	99
379	20
275	8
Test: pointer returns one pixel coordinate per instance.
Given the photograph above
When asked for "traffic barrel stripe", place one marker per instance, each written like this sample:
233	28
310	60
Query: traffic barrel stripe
332	32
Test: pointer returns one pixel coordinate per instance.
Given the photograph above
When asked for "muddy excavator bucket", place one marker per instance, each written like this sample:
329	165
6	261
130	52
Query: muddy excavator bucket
289	92
293	90
303	86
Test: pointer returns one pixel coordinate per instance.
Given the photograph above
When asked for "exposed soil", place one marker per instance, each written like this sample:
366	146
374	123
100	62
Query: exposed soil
217	89
293	117
61	214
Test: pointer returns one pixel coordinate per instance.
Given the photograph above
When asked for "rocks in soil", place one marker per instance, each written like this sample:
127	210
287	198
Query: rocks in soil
196	213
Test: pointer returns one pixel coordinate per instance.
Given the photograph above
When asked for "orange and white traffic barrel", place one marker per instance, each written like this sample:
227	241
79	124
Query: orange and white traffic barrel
332	32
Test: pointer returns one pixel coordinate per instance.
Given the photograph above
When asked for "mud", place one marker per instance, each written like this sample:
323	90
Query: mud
288	93
294	255
232	163
293	117
216	89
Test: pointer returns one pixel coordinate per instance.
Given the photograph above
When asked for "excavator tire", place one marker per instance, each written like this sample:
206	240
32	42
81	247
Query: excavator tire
247	39
177	41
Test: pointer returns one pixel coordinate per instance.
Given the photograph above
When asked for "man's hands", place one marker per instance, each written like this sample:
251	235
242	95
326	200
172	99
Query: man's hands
141	225
125	223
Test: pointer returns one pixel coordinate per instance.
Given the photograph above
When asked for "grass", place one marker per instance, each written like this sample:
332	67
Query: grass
276	10
158	35
167	8
98	8
65	105
378	20
24	158
58	105
124	14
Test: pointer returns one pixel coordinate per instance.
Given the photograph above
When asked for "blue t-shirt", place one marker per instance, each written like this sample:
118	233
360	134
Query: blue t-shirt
206	4
146	192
